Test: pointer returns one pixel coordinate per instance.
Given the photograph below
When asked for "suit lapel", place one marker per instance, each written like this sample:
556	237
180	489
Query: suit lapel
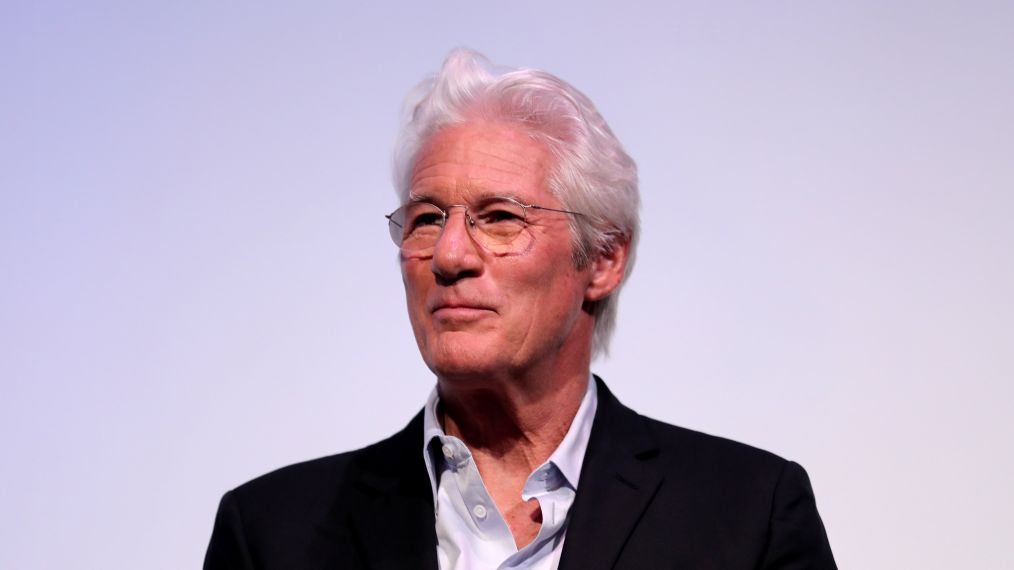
388	504
389	508
618	481
396	528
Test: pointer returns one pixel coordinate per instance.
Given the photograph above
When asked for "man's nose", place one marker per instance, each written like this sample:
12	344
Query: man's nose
456	255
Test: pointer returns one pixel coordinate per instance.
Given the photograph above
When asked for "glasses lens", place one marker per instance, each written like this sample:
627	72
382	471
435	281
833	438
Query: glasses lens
416	226
495	224
499	222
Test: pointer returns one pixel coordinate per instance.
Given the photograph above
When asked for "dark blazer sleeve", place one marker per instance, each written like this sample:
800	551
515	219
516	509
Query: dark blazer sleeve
228	548
797	538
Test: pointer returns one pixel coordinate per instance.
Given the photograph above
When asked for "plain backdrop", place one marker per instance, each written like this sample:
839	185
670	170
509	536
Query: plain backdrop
197	286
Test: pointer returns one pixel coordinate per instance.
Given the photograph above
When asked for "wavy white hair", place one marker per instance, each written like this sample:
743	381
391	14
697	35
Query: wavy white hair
592	173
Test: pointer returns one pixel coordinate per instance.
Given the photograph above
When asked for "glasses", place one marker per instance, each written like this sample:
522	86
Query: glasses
497	224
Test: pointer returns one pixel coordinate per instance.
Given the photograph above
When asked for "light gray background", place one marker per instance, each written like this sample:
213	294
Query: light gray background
197	284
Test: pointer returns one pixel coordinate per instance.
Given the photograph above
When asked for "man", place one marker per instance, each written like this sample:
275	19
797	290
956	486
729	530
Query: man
517	227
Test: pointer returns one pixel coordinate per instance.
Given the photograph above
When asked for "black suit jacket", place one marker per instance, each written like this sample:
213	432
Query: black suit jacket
651	495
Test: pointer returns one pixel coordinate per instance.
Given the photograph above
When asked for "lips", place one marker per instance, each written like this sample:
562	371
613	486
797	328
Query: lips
460	307
459	310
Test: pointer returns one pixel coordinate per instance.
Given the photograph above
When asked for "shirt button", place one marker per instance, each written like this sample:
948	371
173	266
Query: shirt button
448	452
479	511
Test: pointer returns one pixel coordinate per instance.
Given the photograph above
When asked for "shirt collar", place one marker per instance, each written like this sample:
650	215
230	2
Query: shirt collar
568	456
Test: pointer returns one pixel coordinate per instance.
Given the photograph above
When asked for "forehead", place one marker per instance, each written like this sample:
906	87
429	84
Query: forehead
478	159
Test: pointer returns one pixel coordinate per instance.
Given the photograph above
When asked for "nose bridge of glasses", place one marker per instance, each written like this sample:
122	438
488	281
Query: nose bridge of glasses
469	221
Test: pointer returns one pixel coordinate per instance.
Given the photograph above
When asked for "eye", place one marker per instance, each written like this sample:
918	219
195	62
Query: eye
426	218
422	220
499	215
500	212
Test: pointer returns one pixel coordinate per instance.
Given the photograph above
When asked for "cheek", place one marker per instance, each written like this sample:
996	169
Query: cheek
415	300
415	286
549	294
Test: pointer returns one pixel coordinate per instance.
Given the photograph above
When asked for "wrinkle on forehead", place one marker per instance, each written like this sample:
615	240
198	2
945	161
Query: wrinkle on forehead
474	196
481	159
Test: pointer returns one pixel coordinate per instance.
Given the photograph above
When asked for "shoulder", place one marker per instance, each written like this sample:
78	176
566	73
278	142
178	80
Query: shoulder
678	449
311	488
299	482
719	470
711	452
740	490
722	470
701	494
293	517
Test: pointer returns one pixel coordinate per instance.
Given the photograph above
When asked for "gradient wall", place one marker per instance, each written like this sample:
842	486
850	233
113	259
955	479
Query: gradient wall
197	284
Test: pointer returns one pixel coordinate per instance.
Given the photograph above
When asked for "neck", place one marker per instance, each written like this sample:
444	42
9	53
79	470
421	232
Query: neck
512	423
516	424
514	418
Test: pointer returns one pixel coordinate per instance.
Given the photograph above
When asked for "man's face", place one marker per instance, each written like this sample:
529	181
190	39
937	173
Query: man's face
477	313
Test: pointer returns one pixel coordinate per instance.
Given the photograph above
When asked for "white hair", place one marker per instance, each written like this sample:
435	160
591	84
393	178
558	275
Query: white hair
592	173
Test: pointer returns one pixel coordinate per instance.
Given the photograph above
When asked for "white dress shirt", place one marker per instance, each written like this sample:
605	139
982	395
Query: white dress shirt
471	532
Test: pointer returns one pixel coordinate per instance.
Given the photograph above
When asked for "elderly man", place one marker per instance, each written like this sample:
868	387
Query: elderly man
517	227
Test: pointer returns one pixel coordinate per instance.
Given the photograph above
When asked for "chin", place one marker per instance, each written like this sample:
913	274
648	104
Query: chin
464	360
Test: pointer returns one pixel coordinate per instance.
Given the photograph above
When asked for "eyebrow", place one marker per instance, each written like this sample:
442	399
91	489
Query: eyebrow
478	197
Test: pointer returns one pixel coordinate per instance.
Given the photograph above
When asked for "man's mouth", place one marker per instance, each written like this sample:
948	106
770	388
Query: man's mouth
460	311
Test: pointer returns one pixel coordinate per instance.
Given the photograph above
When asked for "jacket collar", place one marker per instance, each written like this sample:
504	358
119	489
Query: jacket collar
389	503
388	507
618	481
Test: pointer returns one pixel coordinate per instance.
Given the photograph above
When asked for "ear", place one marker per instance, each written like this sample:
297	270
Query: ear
607	271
